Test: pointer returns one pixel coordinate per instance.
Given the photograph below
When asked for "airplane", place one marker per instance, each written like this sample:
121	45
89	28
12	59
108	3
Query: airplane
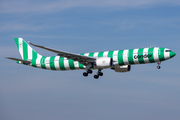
118	60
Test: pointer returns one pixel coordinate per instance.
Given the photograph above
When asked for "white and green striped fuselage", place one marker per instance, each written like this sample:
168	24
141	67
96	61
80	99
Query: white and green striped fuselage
119	57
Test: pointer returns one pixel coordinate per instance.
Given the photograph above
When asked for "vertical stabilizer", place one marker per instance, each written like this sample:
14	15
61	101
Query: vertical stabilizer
26	52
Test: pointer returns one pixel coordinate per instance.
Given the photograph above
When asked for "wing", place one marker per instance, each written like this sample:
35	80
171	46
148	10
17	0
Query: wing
16	59
80	58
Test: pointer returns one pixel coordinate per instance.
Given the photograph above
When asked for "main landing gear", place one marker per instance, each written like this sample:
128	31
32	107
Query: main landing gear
87	72
96	76
158	67
99	73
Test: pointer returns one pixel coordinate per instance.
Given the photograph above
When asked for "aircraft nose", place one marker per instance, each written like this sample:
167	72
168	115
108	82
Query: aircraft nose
172	54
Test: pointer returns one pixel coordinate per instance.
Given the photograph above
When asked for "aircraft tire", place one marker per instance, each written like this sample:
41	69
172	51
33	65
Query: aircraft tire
100	74
96	76
158	67
90	71
85	74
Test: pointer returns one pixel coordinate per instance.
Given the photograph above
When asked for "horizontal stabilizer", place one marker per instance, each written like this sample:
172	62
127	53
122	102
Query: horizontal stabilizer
16	59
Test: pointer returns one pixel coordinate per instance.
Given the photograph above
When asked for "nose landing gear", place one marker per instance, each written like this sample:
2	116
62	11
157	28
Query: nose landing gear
158	67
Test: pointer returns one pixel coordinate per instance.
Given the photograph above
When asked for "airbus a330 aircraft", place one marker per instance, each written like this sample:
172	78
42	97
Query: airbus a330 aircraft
118	60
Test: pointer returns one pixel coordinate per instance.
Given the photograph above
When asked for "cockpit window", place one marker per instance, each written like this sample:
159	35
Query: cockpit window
168	50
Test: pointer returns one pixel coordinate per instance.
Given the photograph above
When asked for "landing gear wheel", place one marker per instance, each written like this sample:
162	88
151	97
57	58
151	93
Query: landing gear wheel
100	74
158	67
85	74
96	76
89	71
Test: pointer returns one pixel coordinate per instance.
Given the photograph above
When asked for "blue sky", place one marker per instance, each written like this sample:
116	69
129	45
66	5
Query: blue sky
80	26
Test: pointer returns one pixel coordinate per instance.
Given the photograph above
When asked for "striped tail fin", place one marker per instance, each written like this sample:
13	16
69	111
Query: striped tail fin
26	52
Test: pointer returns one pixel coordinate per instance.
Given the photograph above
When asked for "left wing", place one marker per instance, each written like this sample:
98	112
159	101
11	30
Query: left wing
80	58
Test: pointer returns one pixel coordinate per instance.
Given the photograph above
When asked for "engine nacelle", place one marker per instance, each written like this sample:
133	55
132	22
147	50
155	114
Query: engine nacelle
104	62
124	68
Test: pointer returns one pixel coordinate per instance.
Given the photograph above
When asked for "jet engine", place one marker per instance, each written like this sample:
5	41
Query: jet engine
123	68
104	62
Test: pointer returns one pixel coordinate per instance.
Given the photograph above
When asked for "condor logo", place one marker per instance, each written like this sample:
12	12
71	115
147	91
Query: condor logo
143	56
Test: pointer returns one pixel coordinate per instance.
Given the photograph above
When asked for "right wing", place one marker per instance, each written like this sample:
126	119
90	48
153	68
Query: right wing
80	58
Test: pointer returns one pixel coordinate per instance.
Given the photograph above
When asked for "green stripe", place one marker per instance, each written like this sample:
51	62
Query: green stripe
171	54
51	63
17	42
25	50
81	66
130	56
33	62
71	64
61	63
120	57
110	54
161	54
34	54
82	53
100	54
34	57
140	54
91	54
151	52
43	65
